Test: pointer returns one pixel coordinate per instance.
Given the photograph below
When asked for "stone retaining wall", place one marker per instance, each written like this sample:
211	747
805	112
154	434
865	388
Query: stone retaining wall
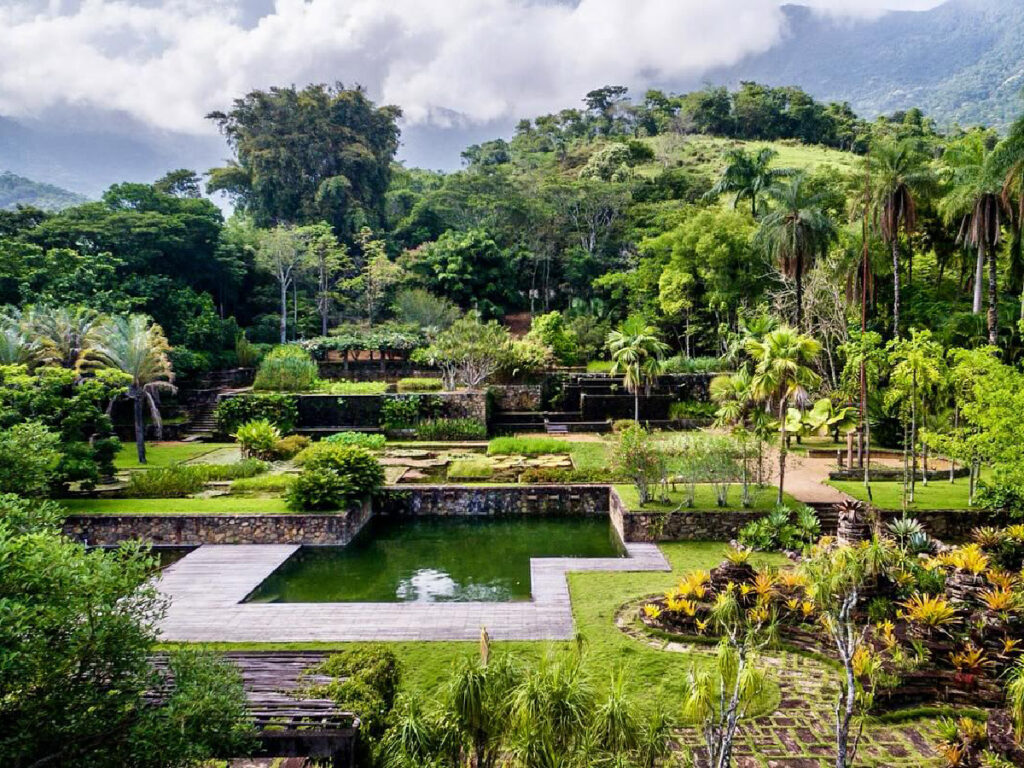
469	501
948	525
517	397
686	525
192	530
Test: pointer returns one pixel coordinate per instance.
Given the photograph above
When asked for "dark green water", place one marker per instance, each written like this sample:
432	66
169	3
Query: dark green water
436	559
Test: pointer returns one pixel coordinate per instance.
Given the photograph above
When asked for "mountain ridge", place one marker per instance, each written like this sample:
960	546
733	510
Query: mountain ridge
17	190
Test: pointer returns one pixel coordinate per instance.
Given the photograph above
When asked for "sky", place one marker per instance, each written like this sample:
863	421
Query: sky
443	61
457	68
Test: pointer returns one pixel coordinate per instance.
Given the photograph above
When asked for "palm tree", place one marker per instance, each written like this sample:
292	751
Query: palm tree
899	171
65	334
1007	161
138	348
974	198
748	175
15	345
637	354
796	231
783	375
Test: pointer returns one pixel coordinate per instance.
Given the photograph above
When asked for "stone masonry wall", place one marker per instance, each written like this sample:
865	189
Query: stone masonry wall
517	397
468	501
688	525
189	530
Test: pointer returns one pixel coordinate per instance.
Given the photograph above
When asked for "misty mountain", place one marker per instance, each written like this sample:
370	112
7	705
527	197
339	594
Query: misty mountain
17	190
962	61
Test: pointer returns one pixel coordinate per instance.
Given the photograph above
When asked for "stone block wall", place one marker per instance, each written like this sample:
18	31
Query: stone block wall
948	525
685	525
192	530
517	397
469	501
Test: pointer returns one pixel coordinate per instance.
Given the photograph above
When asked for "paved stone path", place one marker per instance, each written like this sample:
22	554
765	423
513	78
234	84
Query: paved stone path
800	733
206	589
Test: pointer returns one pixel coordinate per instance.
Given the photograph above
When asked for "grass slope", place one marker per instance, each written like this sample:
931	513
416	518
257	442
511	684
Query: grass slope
704	499
938	494
164	454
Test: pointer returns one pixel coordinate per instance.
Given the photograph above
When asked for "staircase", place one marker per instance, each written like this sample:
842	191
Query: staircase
201	401
203	424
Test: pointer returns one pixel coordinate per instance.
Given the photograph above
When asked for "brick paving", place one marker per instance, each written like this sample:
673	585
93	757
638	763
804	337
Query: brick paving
801	732
206	589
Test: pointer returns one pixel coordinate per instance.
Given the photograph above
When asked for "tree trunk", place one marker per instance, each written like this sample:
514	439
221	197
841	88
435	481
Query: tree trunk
140	428
896	287
993	299
284	312
979	276
799	293
913	437
782	449
636	406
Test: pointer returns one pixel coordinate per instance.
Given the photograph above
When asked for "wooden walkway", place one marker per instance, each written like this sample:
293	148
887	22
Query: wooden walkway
289	723
206	589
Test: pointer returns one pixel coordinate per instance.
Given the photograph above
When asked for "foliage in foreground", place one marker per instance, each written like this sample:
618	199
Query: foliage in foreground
76	632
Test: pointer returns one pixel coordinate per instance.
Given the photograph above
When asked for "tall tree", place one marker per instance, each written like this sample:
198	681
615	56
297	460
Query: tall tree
320	154
637	354
748	175
796	231
138	348
974	199
899	172
330	259
1008	162
282	252
782	374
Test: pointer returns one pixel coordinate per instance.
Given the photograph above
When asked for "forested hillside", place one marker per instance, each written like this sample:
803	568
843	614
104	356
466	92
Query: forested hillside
17	190
960	62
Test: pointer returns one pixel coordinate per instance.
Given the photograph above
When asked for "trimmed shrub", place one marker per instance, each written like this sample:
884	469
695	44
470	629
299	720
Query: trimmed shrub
621	425
317	490
344	387
165	483
451	429
356	473
280	410
527	446
258	439
290	446
288	368
239	469
545	475
470	469
273	483
419	385
369	440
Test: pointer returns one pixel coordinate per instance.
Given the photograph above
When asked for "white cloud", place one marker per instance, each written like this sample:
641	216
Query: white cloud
168	63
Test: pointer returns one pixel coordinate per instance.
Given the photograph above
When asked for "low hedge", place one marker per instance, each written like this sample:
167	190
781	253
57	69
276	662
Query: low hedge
419	385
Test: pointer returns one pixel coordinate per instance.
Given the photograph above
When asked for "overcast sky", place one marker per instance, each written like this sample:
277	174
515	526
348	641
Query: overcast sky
445	62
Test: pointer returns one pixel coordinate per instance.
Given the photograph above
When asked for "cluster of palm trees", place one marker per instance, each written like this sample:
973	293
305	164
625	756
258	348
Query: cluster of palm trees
81	339
638	356
976	185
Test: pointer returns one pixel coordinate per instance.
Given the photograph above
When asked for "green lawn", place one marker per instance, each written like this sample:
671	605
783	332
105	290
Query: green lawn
217	505
164	454
704	499
654	676
938	494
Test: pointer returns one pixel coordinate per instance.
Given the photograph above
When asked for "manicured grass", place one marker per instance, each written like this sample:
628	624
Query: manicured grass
704	499
655	677
599	366
216	505
164	454
938	494
592	456
527	446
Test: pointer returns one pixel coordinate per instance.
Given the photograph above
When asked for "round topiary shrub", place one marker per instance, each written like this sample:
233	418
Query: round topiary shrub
317	490
357	474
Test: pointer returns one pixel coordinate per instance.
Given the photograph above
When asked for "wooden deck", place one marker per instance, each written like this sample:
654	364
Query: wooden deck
206	589
289	723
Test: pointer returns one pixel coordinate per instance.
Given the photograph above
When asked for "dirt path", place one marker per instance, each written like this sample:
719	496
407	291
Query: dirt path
806	477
